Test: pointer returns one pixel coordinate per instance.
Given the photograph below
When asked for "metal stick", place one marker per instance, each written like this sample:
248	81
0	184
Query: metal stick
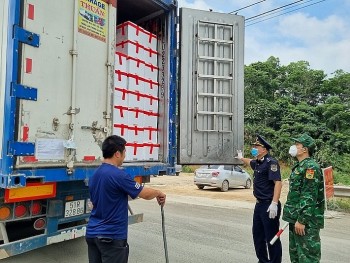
164	236
267	250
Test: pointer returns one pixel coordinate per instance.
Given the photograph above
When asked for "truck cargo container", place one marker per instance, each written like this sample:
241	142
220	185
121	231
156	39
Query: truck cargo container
73	72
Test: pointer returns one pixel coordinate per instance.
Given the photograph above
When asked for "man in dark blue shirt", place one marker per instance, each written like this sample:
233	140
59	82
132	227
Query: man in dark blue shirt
267	187
110	186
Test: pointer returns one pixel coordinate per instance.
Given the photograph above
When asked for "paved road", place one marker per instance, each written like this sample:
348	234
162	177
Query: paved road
198	230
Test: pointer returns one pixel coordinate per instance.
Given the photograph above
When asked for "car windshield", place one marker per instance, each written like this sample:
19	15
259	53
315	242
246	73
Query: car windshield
210	166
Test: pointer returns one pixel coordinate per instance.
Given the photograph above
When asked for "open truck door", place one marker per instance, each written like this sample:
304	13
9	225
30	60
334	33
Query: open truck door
211	87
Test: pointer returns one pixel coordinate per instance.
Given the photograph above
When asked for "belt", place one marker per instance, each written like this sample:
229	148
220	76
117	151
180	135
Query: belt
263	200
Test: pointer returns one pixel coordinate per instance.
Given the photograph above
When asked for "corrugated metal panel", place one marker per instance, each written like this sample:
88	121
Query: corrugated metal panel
211	87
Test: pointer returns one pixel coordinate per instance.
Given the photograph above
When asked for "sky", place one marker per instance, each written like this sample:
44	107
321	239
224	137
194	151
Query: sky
318	34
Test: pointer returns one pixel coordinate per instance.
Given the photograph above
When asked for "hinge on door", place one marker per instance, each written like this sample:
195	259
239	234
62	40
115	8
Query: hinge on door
26	37
21	148
177	20
24	92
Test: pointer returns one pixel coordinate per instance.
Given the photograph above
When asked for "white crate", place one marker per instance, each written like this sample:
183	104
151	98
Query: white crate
136	66
136	116
138	50
121	97
134	151
151	71
136	82
129	30
151	151
150	107
121	61
121	78
151	133
121	130
151	87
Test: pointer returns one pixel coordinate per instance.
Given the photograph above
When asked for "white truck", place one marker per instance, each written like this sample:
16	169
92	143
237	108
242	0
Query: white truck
75	71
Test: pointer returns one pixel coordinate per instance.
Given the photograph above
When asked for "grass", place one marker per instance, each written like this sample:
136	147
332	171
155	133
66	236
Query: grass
339	204
189	168
341	179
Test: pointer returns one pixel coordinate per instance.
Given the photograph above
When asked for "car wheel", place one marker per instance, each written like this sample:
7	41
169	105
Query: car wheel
225	186
200	186
248	184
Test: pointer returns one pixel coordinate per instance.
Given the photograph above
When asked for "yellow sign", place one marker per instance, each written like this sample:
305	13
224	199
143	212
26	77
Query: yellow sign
93	16
33	191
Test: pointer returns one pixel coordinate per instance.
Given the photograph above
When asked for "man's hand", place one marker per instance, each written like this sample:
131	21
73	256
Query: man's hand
161	199
299	229
272	210
239	154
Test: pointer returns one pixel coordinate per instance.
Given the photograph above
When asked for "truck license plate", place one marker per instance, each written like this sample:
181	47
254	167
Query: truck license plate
74	208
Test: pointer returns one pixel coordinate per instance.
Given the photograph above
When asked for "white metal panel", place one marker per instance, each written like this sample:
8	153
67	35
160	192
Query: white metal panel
211	87
70	71
3	51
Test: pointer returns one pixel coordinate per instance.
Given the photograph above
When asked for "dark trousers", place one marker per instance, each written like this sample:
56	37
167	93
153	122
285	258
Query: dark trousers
107	250
264	229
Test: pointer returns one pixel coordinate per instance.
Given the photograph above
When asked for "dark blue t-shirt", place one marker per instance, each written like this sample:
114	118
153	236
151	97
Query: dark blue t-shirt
266	171
109	190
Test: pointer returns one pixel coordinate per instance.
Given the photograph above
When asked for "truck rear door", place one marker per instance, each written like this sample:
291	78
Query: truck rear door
72	69
211	87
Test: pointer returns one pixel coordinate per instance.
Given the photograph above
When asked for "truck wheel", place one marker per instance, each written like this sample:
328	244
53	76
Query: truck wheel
225	186
200	187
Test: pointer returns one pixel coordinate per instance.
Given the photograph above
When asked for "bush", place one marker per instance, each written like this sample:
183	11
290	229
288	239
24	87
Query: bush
188	169
341	178
339	204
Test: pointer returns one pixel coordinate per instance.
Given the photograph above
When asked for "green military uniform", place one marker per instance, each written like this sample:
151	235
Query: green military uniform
305	204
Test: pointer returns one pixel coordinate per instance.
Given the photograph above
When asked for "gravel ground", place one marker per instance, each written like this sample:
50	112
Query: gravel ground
183	185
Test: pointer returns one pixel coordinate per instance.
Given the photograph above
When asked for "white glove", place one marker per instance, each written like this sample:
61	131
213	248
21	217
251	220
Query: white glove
272	210
239	154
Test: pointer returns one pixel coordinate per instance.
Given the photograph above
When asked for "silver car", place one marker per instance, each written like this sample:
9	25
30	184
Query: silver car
222	176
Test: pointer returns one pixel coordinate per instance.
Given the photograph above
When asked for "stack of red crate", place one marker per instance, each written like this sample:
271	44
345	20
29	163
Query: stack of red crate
136	100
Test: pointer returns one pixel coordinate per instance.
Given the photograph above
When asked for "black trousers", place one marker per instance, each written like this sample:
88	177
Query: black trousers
264	229
107	250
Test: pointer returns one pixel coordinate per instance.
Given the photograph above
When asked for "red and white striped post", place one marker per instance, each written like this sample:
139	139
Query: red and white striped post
279	233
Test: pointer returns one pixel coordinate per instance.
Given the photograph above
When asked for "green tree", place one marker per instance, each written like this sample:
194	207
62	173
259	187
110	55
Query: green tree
282	102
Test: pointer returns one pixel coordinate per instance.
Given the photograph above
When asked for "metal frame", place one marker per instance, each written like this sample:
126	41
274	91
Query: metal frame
172	151
215	77
11	74
212	91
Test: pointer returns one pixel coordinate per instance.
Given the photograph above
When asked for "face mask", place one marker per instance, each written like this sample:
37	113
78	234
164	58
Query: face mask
254	152
293	150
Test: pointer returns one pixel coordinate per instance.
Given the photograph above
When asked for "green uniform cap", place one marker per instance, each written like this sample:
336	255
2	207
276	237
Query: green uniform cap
306	141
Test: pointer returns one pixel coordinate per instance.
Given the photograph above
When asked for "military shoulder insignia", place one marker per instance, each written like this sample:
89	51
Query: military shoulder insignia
310	174
274	167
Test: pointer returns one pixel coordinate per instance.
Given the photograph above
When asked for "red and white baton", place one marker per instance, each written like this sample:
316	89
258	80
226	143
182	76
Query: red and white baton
278	233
